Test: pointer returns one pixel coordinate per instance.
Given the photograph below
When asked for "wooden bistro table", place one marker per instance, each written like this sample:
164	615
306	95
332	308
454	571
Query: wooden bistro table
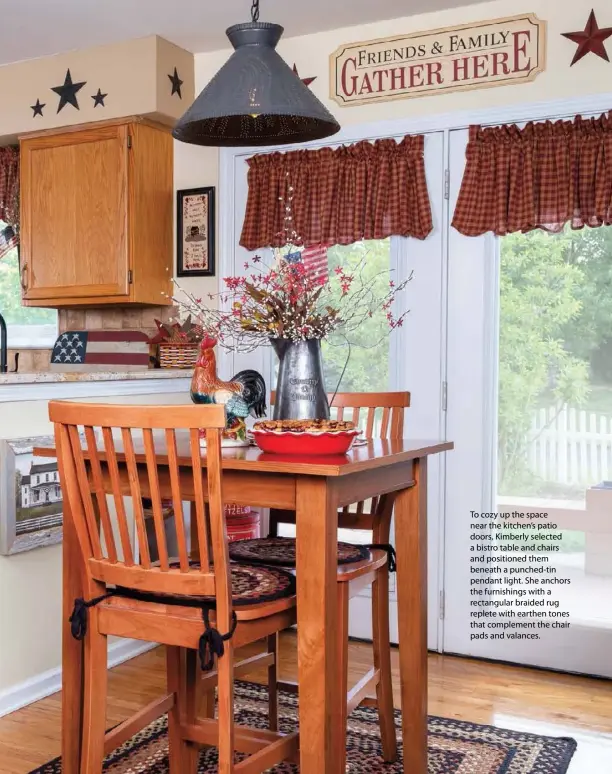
313	487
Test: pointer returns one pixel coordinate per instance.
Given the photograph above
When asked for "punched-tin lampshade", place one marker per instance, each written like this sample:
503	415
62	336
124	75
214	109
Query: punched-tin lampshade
255	98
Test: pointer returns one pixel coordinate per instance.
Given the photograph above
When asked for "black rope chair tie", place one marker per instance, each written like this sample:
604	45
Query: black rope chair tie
391	555
212	642
78	619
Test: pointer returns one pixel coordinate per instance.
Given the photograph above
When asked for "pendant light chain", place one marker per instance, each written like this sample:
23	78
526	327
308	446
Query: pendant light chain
255	11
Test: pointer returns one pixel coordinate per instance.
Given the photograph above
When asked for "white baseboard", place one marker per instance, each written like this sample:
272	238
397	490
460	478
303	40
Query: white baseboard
49	682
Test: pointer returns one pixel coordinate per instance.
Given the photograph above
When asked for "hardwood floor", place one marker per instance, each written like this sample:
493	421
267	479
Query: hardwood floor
512	697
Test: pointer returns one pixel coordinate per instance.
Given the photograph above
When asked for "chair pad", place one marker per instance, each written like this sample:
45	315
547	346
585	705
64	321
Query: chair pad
254	585
251	585
280	552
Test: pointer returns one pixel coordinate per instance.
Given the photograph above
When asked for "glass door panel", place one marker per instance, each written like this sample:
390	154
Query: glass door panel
555	406
411	359
528	566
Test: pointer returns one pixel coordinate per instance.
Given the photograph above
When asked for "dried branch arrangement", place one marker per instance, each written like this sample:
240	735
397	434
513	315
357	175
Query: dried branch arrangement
287	301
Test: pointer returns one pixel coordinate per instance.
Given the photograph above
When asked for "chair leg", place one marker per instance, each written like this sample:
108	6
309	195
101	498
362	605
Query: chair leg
175	681
189	708
207	704
382	661
342	666
272	524
94	698
225	688
273	642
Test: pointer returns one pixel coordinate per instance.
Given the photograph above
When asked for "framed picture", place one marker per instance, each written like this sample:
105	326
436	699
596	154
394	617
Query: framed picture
30	496
195	232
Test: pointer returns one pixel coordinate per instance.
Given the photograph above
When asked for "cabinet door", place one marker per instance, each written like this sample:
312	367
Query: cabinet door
74	214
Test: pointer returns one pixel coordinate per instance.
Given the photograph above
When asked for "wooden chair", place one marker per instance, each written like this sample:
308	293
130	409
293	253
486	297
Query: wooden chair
378	415
164	602
381	415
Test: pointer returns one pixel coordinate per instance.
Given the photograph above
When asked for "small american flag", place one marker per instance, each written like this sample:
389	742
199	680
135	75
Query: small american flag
315	261
100	351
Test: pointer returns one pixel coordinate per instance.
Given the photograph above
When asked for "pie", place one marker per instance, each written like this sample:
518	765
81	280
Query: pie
311	426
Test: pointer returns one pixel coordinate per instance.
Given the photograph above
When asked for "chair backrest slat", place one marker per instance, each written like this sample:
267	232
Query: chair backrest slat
397	421
200	509
72	441
369	431
85	526
122	523
98	484
217	526
136	492
177	504
156	501
157	467
384	425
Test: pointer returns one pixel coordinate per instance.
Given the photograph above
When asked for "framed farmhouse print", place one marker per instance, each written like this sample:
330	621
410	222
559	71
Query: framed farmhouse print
30	497
195	232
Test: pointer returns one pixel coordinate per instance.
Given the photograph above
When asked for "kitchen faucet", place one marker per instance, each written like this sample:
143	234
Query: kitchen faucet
3	346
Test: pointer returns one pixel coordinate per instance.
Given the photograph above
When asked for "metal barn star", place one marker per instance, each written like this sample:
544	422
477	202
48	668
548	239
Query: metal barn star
590	40
305	81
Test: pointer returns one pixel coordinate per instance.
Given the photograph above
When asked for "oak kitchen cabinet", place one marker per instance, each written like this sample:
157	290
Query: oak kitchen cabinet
97	215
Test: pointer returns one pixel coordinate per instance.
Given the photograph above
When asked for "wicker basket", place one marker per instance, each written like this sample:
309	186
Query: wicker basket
173	355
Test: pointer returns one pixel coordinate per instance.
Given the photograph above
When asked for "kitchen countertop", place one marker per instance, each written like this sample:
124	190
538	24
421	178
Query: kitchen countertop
44	377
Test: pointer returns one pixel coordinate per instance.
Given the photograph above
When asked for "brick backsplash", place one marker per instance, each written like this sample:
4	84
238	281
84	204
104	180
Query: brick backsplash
30	360
126	318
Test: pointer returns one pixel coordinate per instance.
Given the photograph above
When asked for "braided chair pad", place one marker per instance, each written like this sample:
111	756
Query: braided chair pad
280	552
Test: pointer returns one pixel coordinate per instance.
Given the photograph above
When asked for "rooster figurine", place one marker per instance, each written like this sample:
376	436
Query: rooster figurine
245	395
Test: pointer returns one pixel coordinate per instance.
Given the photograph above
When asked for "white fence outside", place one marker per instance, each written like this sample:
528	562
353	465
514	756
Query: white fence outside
570	446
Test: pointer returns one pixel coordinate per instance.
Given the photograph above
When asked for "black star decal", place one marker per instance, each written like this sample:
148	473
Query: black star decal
68	91
37	108
99	98
176	84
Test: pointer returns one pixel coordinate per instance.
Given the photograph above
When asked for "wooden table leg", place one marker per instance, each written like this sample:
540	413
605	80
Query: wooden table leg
317	527
411	546
72	650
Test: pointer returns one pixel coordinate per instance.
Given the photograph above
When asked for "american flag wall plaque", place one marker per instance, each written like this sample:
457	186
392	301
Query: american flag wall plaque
78	351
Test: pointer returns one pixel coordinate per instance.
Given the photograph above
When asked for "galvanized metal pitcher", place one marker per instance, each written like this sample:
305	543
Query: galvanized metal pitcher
300	389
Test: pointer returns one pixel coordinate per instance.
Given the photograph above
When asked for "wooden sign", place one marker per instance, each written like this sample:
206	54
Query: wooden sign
472	56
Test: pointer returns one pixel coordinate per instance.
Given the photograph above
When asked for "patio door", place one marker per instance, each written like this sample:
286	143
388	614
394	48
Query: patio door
412	359
528	568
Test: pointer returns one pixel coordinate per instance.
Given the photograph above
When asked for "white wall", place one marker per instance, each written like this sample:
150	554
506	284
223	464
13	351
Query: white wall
30	583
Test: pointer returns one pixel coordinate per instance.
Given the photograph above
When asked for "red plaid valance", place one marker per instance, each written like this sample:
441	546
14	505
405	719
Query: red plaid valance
9	198
339	195
543	176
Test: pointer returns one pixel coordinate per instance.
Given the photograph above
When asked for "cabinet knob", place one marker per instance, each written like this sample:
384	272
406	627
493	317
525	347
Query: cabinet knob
24	277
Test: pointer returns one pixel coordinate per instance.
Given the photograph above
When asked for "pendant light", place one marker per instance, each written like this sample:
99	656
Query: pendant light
255	98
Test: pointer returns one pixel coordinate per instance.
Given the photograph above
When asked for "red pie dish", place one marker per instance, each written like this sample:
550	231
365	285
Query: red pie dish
319	439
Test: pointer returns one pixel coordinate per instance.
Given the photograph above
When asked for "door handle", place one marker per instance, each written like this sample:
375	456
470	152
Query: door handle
24	281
